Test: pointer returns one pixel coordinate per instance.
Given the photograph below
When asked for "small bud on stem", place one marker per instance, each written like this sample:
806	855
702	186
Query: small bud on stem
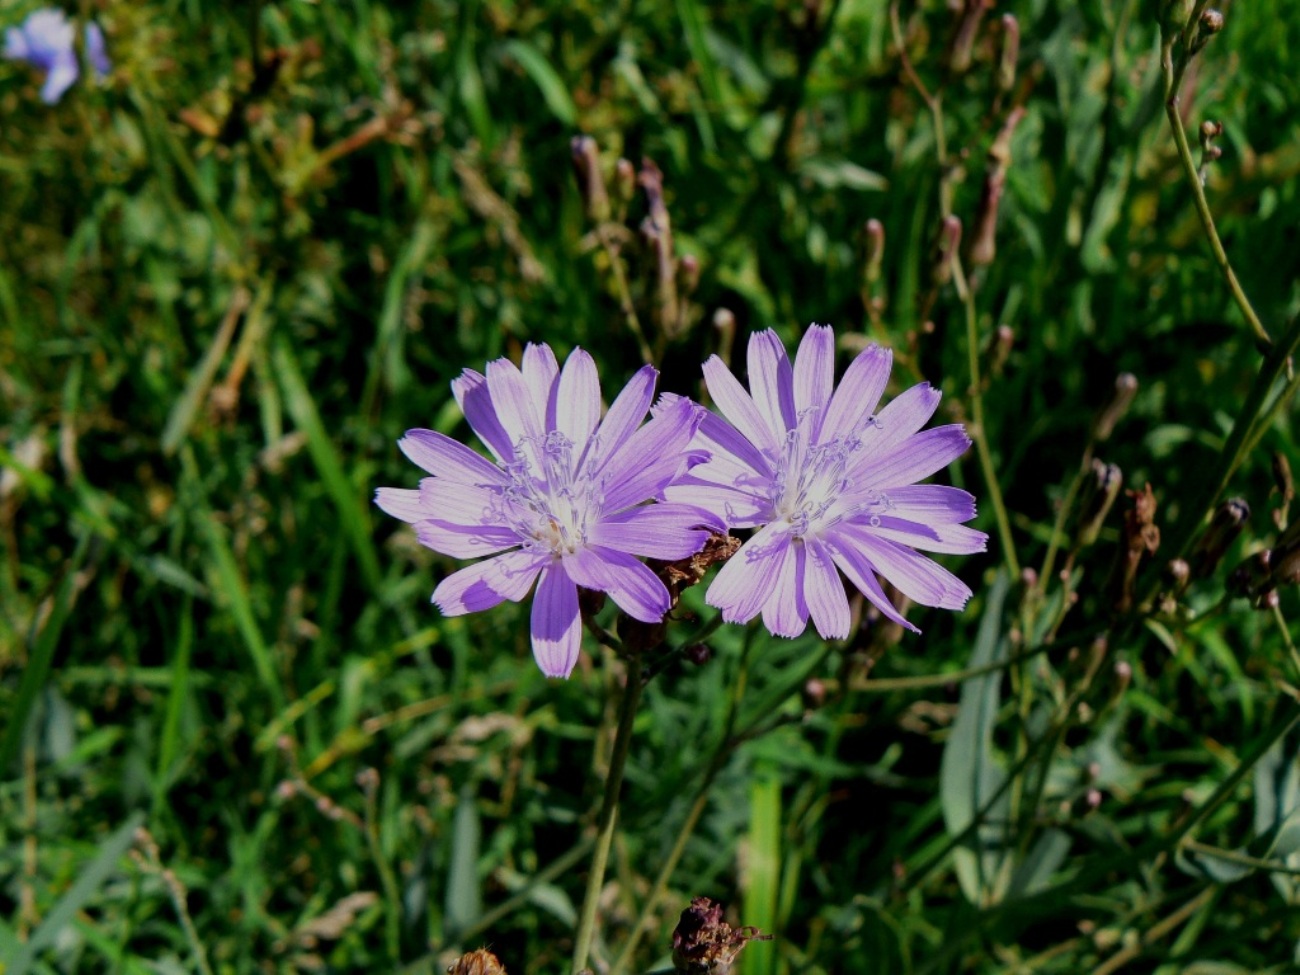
586	166
1126	386
946	249
1010	53
1226	525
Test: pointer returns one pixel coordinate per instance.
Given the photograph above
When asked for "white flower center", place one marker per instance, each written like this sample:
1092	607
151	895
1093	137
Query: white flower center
547	503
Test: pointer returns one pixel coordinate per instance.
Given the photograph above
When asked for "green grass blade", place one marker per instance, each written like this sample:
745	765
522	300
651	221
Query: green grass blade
77	896
547	79
180	684
39	662
352	512
762	871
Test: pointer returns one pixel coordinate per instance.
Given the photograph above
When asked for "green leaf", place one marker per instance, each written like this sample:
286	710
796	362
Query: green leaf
463	904
545	77
762	870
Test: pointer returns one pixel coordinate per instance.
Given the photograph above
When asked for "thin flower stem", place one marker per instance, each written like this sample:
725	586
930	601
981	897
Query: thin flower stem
1062	514
608	815
1241	859
1157	931
1282	628
726	745
1174	63
387	879
976	427
625	302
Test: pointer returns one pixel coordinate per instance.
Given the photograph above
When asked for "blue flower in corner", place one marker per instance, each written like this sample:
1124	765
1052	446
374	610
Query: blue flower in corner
45	41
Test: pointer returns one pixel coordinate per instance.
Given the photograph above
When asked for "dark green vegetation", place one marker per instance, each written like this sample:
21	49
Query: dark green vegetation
230	279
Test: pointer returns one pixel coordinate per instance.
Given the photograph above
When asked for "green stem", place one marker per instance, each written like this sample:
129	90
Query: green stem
976	427
1173	73
607	816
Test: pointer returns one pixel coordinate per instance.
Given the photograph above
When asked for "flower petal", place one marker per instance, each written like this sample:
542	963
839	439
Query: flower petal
747	579
556	623
623	417
824	591
771	382
475	401
906	413
539	372
858	393
651	458
720	438
637	591
786	613
461	504
449	459
515	406
920	579
738	406
577	401
739	509
952	539
861	573
915	458
464	541
814	371
488	583
61	75
933	504
656	531
401	503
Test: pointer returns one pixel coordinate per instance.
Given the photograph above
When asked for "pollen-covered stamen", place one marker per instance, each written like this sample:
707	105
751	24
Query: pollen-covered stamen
545	503
810	478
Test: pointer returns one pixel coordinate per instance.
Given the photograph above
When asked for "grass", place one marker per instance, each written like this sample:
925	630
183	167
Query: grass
235	273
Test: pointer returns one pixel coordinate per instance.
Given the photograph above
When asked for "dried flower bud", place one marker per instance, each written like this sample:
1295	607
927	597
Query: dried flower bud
945	250
624	181
698	653
586	165
1010	53
814	693
963	44
705	944
873	232
480	962
1141	538
724	323
983	243
1209	24
1121	398
688	274
1100	492
1229	519
657	232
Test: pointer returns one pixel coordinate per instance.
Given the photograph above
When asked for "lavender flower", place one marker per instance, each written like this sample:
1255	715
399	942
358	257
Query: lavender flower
828	483
565	503
45	41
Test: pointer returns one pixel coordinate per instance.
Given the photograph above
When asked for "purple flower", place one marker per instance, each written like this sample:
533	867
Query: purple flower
45	41
827	482
565	504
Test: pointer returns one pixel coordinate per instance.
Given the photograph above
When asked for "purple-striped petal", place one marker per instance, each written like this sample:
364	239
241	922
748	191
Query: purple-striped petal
622	418
464	541
539	372
739	509
814	371
637	591
920	579
861	573
651	458
488	583
824	592
656	531
857	394
935	504
475	401
577	401
950	539
461	504
915	458
738	406
450	459
747	579
401	503
556	622
723	441
905	414
771	382
785	613
515	406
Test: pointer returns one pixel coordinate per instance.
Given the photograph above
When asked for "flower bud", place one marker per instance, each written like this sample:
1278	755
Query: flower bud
1209	24
724	323
999	348
983	244
874	250
1228	521
586	165
945	250
963	44
1141	538
1174	15
624	181
1010	53
1121	398
1100	492
688	274
1284	486
698	653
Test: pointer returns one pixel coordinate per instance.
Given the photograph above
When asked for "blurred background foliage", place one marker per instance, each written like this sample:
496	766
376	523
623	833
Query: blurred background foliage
234	273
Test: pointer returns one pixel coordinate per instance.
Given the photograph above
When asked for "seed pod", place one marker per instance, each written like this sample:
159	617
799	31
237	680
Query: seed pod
586	165
1228	522
945	250
1100	492
1010	53
874	250
983	243
1121	398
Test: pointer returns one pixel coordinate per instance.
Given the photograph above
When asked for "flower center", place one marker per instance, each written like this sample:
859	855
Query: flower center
547	503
